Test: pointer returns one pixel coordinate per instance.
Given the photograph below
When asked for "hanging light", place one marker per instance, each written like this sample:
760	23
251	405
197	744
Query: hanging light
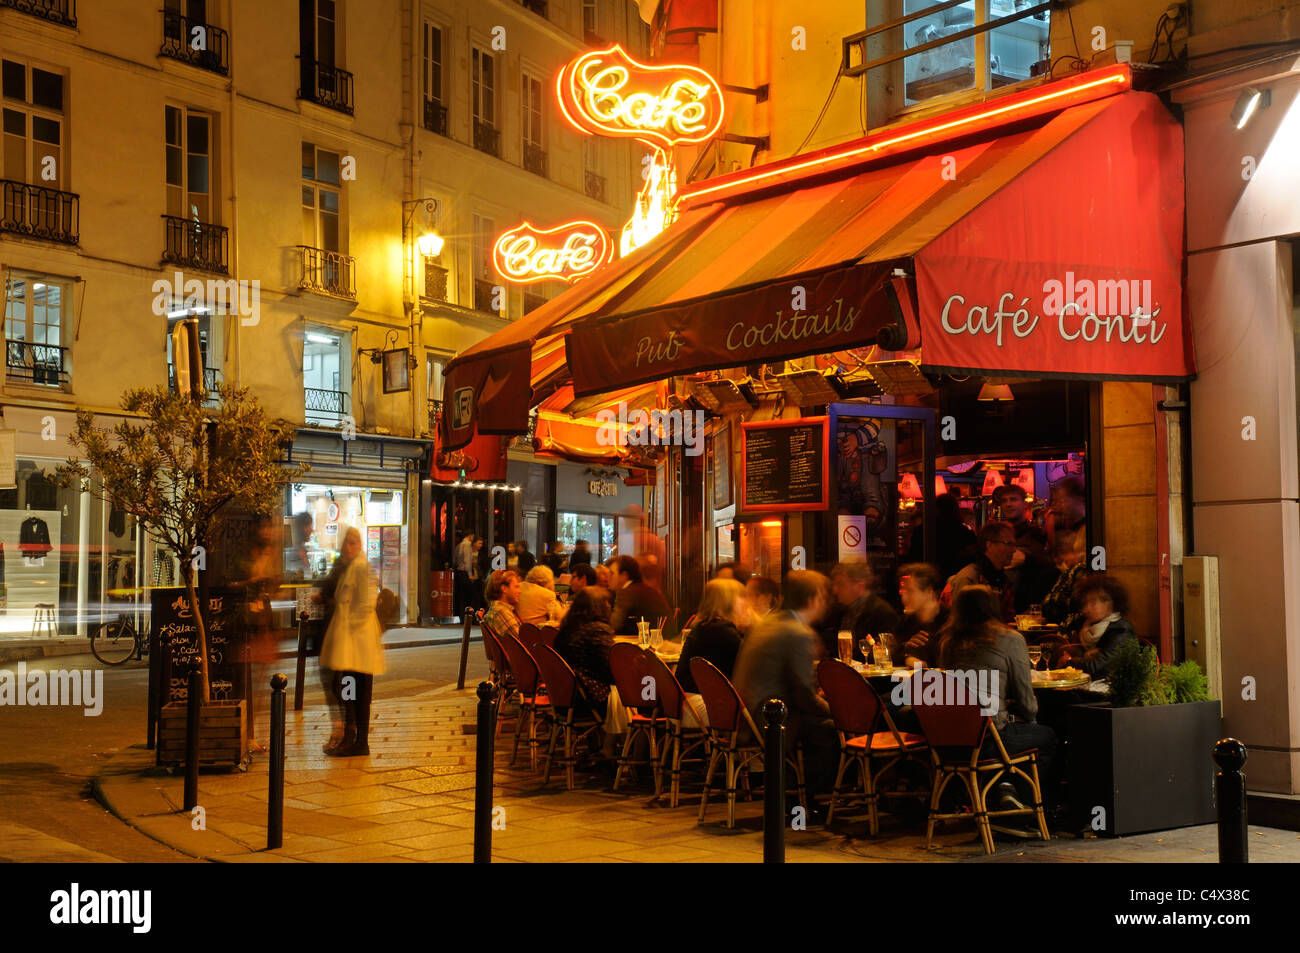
996	392
992	480
940	486
909	488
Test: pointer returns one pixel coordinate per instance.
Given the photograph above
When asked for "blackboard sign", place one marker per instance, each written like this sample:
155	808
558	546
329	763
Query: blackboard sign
784	465
175	644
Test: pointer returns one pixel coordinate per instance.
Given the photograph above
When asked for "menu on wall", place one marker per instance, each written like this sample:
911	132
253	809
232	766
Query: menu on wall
783	465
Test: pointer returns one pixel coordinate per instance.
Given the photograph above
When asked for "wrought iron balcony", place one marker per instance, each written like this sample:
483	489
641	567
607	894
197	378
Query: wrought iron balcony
534	159
332	87
63	12
435	117
180	34
483	295
487	138
38	212
537	6
595	186
327	272
41	364
194	244
435	281
435	414
325	406
211	379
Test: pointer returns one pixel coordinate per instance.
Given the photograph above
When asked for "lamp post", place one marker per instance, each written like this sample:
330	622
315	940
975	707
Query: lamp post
427	240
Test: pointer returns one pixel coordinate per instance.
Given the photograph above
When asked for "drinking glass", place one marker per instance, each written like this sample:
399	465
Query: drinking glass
865	648
885	649
846	645
656	639
1035	656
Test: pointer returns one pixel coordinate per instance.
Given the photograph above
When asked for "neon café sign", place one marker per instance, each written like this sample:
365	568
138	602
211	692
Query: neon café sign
566	252
607	93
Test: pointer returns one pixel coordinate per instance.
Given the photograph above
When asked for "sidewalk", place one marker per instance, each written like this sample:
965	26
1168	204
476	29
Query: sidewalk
413	799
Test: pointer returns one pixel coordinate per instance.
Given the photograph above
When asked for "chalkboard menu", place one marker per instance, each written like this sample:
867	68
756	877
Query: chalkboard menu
784	465
175	644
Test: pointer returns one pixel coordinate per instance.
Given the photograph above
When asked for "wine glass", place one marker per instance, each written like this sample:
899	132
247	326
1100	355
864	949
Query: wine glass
1035	656
865	648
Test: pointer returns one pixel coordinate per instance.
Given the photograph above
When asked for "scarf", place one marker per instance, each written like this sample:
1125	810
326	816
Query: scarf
1092	635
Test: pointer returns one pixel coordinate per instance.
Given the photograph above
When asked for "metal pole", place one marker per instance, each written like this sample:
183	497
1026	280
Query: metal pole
275	796
774	783
1230	782
193	705
464	647
301	670
487	693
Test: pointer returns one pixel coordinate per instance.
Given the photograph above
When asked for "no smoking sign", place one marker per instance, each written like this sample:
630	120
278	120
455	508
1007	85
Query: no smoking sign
852	536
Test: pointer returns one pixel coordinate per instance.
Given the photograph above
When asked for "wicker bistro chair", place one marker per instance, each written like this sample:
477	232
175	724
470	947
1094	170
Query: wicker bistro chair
957	734
575	718
867	734
532	696
631	669
729	720
499	666
681	740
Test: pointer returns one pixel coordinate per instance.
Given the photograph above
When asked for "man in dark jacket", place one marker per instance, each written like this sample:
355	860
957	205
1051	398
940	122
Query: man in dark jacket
998	540
633	599
776	661
857	609
526	559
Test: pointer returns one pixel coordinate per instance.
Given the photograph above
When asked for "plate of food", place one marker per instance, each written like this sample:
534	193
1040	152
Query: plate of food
1060	677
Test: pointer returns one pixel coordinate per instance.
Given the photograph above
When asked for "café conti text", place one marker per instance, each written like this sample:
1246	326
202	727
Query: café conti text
1084	309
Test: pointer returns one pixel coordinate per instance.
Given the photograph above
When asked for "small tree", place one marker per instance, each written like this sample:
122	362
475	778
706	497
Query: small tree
180	465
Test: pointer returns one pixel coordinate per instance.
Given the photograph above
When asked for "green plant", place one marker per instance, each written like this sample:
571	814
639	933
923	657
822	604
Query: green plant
1184	682
1135	677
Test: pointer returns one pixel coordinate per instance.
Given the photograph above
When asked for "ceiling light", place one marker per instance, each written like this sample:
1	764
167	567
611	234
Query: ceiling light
996	392
321	339
1248	102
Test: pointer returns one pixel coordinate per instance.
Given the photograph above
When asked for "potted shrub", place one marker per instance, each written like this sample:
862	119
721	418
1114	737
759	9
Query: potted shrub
1143	761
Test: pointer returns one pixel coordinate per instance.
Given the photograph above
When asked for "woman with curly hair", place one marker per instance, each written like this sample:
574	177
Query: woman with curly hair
1104	601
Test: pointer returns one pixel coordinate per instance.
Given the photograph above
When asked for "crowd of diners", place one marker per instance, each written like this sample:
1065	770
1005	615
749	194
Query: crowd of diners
768	637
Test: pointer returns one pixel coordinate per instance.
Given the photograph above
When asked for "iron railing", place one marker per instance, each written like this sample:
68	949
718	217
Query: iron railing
435	414
43	364
595	186
483	295
211	379
435	117
63	12
324	406
487	138
534	159
195	244
328	272
332	87
38	212
435	281
181	33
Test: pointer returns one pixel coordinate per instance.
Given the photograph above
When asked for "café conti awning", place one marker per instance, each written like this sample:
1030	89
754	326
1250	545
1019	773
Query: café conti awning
1050	245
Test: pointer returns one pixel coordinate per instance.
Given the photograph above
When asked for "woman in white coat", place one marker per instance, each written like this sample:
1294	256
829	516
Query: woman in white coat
352	647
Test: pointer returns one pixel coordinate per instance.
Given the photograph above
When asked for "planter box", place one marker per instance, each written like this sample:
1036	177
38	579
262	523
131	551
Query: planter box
223	739
1149	768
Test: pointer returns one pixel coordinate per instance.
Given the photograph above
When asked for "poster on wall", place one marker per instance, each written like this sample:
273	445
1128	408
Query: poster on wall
722	495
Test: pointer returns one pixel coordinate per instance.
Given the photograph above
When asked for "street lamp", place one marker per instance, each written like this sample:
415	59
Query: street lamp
428	241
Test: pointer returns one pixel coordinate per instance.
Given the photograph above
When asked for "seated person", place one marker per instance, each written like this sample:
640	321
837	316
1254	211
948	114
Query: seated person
723	616
764	595
580	578
503	598
1105	630
998	549
858	609
634	601
975	639
584	641
731	571
924	616
538	604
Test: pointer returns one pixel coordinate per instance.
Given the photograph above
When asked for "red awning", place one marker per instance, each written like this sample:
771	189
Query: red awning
987	222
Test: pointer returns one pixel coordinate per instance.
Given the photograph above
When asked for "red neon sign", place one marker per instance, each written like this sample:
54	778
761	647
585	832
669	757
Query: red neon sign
1040	100
606	92
566	252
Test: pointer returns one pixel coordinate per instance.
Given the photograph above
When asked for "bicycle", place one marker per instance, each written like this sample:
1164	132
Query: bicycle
116	641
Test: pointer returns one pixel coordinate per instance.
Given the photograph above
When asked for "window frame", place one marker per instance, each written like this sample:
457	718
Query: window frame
432	68
321	186
186	114
67	289
532	110
31	112
478	55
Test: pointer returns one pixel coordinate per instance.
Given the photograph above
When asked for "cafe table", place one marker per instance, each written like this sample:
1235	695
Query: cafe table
670	652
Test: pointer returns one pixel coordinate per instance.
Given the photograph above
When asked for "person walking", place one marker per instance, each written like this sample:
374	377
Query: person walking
353	647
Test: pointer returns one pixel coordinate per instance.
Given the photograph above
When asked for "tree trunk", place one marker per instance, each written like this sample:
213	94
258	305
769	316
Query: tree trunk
188	571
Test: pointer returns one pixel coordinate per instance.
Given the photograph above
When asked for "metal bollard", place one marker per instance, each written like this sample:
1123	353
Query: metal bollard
300	671
483	765
193	706
464	647
774	782
275	795
1230	784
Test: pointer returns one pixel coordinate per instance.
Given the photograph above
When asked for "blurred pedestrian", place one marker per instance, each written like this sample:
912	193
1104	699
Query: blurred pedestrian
353	647
260	579
580	556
